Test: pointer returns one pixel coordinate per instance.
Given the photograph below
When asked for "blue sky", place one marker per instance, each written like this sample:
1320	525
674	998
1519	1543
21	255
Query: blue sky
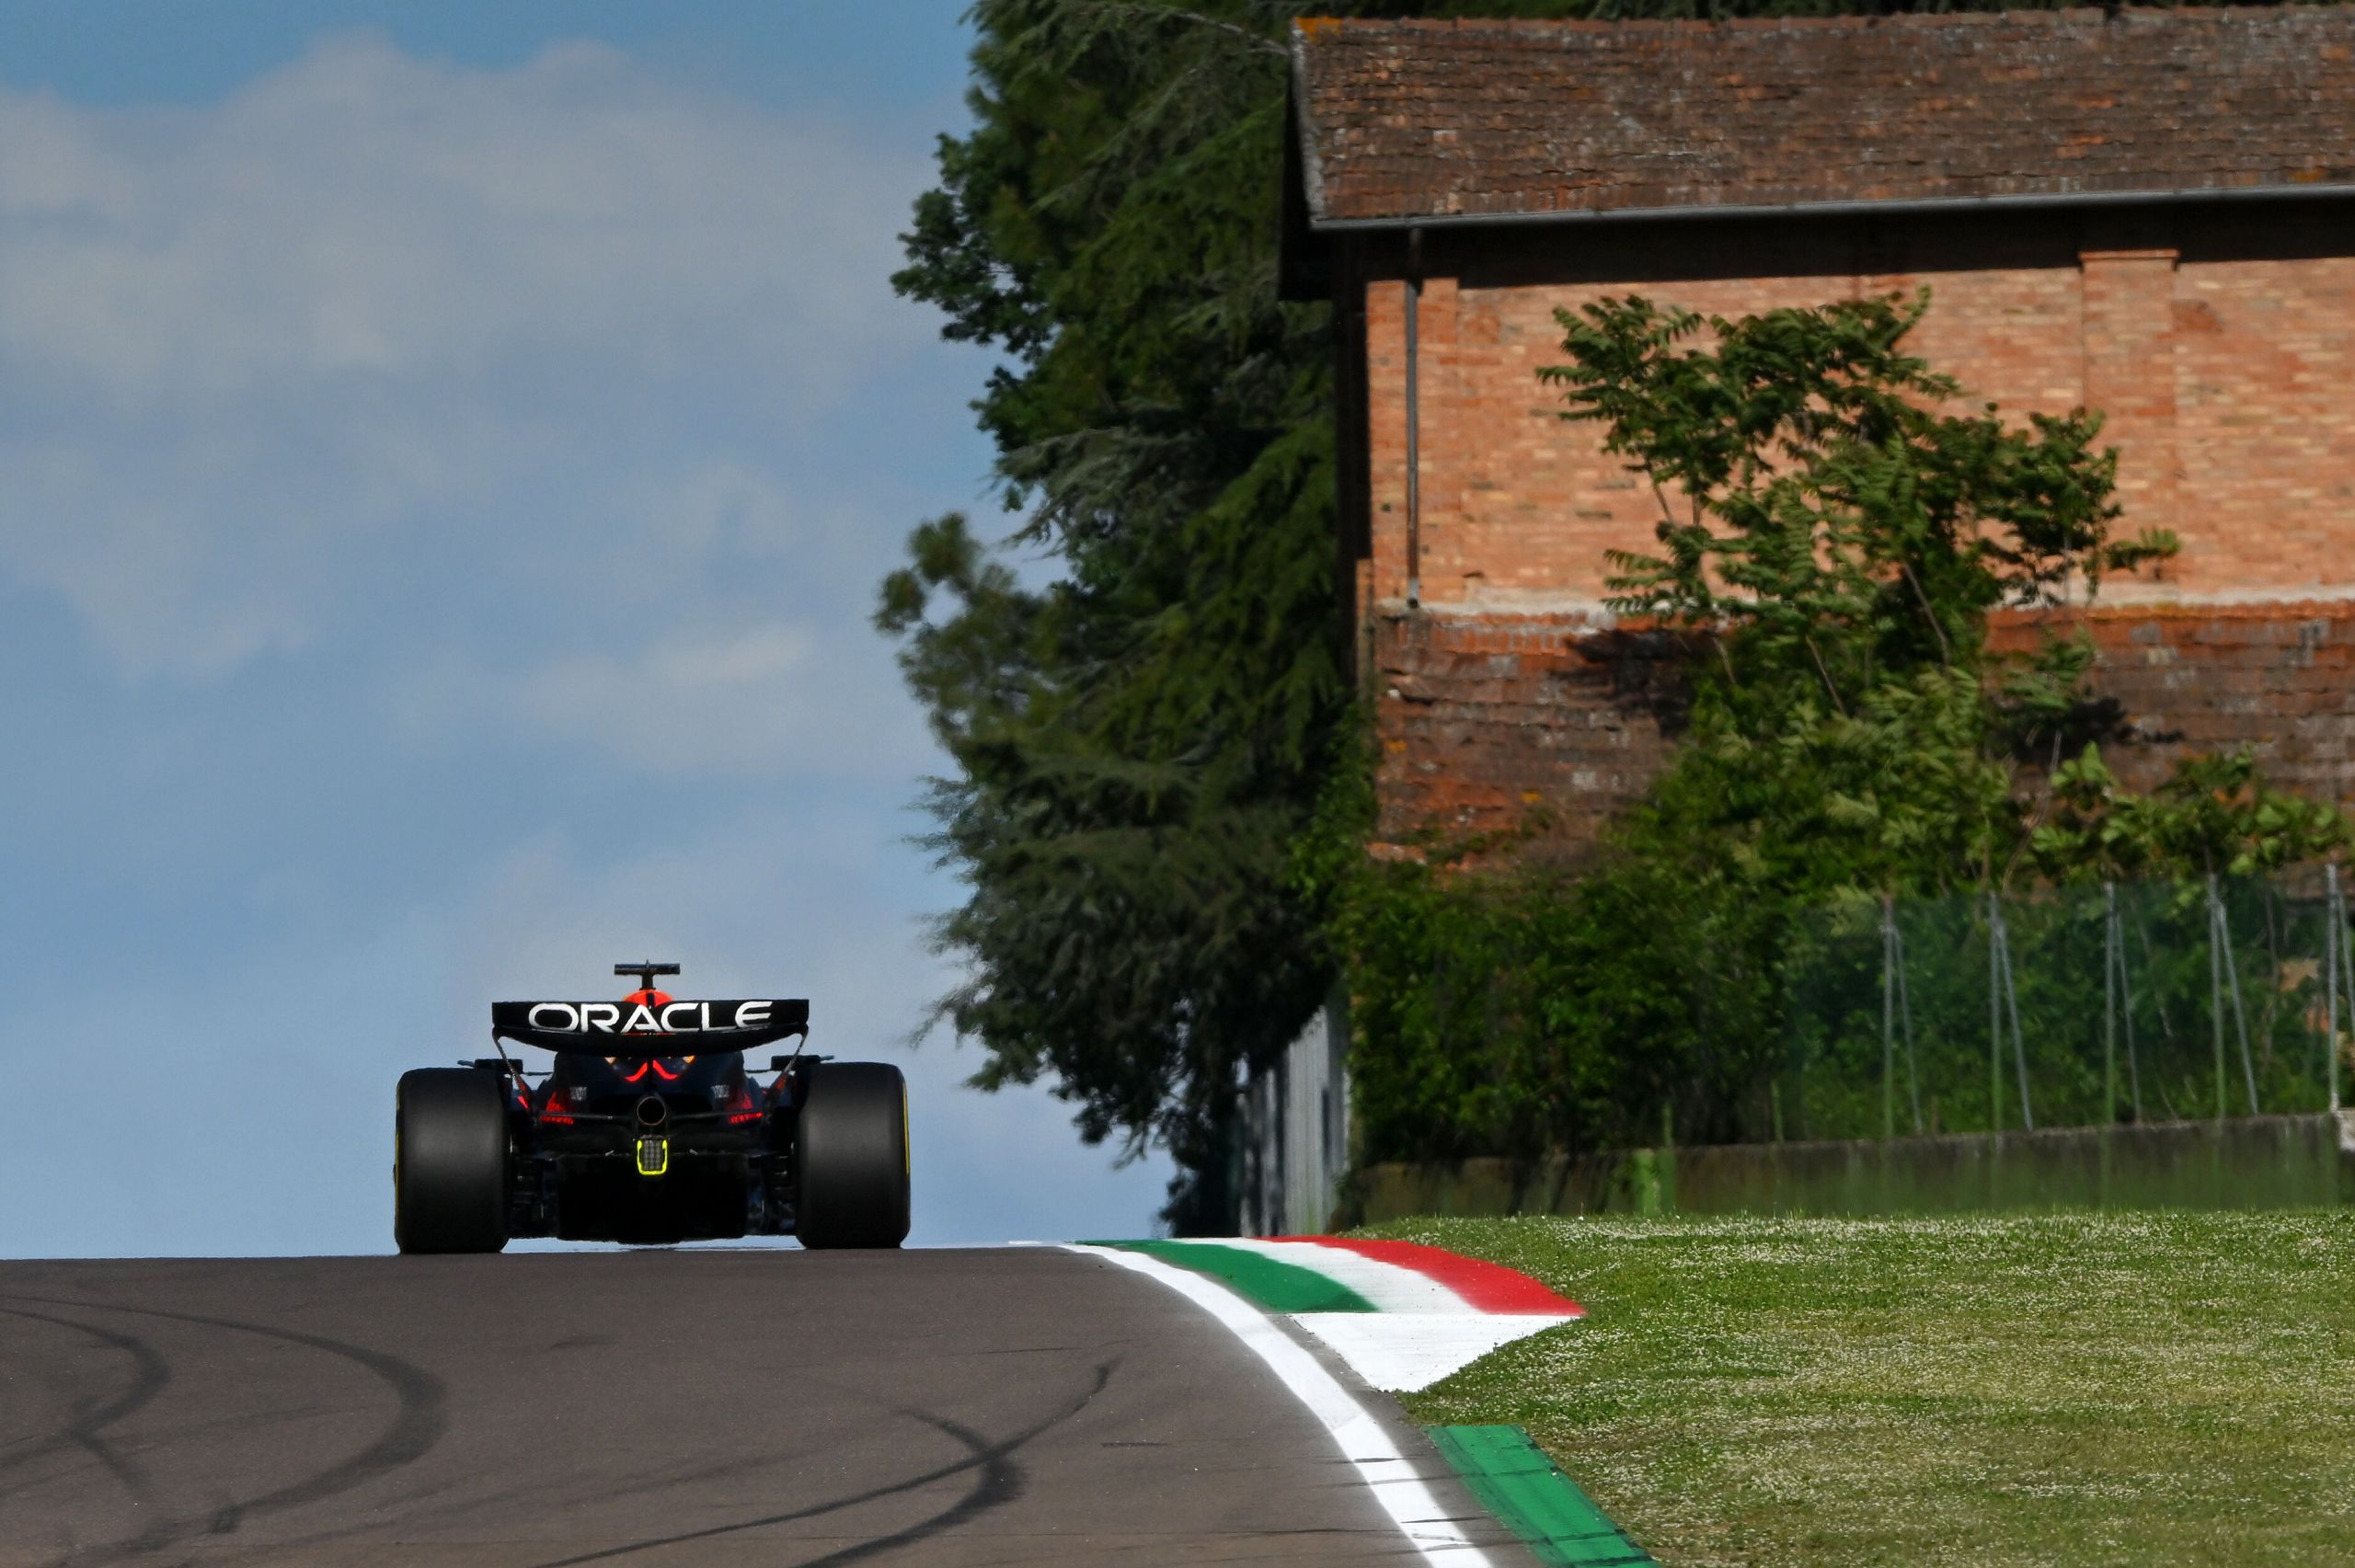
447	456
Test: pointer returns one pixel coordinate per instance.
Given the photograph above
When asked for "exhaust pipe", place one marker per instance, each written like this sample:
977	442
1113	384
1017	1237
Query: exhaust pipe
653	1149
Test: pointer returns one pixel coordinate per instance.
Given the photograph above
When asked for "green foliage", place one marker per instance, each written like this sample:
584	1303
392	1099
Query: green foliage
1511	1010
1535	1000
1831	541
2215	816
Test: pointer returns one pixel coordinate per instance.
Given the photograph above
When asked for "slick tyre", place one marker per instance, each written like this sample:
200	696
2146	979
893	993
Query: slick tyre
450	1162
853	1147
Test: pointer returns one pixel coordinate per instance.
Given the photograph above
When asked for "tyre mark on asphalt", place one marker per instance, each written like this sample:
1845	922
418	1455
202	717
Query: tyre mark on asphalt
421	1417
999	1483
537	1494
151	1375
83	1427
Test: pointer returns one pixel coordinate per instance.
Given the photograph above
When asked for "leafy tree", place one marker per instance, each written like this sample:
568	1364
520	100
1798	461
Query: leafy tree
1837	537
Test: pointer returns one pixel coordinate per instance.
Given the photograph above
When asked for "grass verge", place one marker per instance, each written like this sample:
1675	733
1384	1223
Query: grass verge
2066	1388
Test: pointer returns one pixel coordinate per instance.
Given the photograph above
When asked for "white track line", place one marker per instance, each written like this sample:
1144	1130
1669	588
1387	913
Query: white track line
1363	1441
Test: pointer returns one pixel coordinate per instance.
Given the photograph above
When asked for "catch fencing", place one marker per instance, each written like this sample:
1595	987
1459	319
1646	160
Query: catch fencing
2144	1001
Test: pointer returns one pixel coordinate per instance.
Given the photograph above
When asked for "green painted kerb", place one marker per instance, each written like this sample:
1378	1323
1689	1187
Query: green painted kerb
1276	1287
1512	1477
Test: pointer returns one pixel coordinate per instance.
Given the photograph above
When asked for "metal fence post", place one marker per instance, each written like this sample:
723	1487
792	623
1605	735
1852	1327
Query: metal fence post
2109	1001
2347	973
1994	1017
2334	923
2216	992
1905	1016
2126	1012
2019	1045
1887	1018
2240	1007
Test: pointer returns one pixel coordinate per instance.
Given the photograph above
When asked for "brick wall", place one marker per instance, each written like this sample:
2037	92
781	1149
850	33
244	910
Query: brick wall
2229	387
1481	718
2229	383
2280	677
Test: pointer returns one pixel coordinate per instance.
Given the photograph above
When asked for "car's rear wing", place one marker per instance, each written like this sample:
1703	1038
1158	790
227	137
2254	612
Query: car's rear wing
648	1029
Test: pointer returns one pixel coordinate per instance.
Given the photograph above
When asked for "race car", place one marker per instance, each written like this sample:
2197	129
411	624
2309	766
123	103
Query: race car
648	1130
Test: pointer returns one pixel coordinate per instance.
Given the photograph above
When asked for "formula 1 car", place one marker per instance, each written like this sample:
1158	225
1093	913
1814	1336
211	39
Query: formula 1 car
648	1130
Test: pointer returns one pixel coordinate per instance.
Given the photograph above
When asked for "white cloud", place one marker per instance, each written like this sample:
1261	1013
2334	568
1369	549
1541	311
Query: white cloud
270	364
704	677
754	702
771	700
366	214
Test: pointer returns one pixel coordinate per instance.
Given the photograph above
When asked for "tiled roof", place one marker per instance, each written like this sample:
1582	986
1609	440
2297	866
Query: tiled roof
1428	120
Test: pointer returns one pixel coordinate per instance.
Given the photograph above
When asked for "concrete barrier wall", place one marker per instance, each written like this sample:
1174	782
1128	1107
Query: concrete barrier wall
2246	1163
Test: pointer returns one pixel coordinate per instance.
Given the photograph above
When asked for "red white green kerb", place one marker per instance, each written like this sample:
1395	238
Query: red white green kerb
1401	1314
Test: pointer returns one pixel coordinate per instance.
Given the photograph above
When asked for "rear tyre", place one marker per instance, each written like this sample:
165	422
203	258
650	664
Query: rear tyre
854	1146
450	1162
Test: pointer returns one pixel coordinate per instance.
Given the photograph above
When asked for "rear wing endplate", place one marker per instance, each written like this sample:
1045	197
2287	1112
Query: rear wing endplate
649	1029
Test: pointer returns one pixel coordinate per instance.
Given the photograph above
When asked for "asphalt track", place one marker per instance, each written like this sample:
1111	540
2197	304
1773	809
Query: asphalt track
1012	1406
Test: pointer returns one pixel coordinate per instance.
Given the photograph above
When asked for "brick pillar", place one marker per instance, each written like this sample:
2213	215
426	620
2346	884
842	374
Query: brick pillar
1386	436
2130	377
1448	439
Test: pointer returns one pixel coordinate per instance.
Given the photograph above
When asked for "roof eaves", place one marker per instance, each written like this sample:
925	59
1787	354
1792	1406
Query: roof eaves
1884	207
1303	122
